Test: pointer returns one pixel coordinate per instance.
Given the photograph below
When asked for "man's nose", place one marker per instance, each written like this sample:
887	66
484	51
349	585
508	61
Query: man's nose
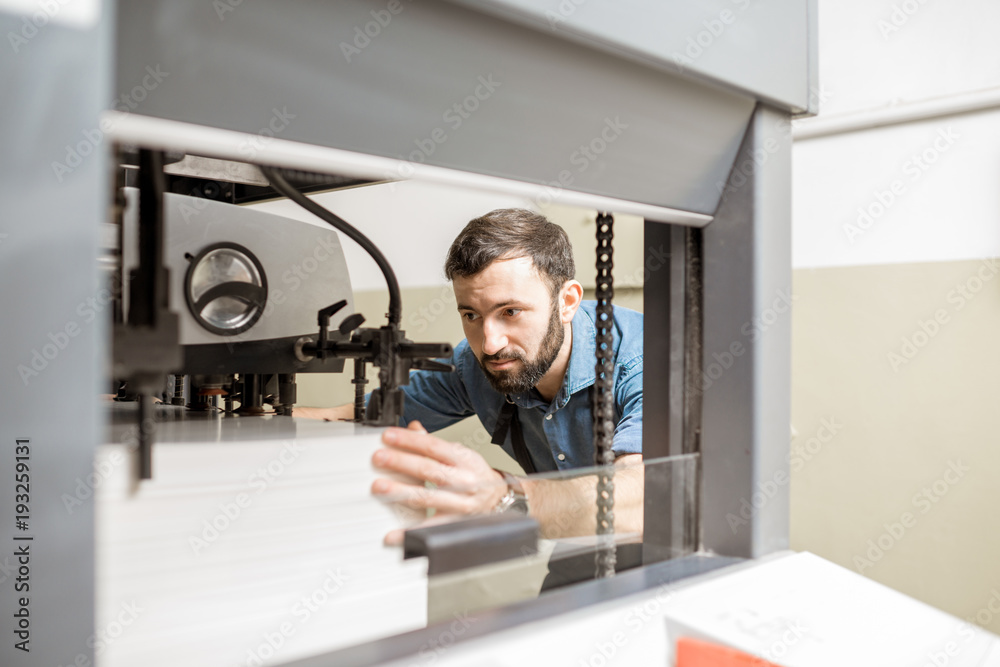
494	338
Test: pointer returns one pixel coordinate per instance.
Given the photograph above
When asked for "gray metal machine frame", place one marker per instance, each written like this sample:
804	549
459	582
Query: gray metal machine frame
711	137
56	81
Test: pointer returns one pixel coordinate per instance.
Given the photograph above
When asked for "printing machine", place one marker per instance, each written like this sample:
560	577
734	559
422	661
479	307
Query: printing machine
201	95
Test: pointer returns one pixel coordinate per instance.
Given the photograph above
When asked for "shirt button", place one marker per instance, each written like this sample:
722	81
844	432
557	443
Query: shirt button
548	416
561	457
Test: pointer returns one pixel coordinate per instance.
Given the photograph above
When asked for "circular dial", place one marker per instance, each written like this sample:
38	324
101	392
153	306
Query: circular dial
226	288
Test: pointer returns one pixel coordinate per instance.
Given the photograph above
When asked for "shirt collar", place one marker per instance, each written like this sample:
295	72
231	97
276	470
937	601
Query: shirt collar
583	358
581	372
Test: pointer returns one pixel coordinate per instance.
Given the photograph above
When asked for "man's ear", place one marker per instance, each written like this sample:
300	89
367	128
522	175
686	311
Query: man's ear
570	297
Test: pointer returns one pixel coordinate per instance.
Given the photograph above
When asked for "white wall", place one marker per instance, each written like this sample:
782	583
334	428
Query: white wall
875	56
413	224
915	192
939	48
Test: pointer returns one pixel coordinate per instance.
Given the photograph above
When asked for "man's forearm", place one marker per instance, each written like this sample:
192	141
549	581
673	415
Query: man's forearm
568	507
331	414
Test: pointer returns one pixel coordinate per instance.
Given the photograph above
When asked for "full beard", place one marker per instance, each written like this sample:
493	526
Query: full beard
532	371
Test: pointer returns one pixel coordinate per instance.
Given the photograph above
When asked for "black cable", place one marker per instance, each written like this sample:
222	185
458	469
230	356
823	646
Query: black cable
283	187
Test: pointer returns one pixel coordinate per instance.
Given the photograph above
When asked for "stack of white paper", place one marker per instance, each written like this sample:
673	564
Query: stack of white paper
256	542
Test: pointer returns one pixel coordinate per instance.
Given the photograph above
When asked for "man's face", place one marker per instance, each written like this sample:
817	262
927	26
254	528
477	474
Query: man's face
511	323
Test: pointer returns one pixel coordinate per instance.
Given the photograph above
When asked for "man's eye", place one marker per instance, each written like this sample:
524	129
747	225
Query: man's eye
511	312
470	317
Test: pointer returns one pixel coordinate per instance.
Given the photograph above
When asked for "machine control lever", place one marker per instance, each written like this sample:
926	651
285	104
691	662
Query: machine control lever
323	318
351	322
387	348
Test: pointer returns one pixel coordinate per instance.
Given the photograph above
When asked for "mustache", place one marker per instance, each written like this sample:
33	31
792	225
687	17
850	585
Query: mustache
502	356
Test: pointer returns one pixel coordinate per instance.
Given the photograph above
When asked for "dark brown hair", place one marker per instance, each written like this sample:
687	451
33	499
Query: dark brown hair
507	233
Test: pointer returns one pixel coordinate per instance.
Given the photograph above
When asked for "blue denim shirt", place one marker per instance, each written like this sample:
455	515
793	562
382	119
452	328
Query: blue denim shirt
559	435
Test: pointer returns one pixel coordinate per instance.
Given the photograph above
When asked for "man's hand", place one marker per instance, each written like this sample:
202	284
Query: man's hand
466	484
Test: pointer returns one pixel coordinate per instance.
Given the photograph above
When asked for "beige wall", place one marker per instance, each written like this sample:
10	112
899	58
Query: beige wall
899	416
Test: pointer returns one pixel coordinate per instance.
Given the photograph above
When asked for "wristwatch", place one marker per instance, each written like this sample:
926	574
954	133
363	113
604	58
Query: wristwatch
514	500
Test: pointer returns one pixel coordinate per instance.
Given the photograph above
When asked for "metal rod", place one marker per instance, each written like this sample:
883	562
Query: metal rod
145	436
359	383
252	403
148	284
287	393
178	397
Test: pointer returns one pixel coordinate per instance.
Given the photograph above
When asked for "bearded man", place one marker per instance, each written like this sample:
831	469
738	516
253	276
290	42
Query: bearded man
525	369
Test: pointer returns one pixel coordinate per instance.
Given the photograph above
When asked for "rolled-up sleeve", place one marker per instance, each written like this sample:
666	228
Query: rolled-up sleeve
438	399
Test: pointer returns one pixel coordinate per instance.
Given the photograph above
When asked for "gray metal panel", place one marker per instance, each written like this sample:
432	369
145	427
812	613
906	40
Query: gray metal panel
814	88
664	509
293	69
747	357
762	48
303	263
53	185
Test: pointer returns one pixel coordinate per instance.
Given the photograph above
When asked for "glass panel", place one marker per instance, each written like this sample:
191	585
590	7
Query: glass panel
564	505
